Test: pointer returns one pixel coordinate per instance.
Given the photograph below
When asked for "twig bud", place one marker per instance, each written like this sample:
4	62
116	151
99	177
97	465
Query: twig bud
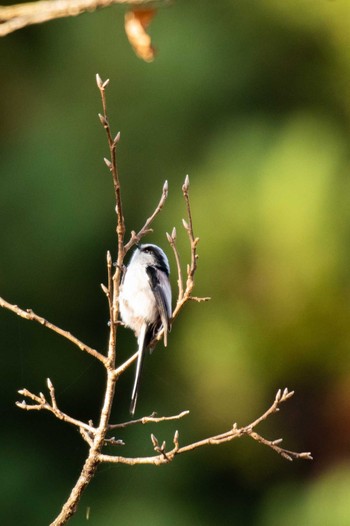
286	456
185	224
108	163
154	440
116	138
103	120
186	184
49	383
173	233
306	455
287	394
165	187
99	81
104	288
277	441
169	238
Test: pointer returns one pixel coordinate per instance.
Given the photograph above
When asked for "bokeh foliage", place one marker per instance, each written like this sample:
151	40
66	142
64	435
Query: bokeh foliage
251	98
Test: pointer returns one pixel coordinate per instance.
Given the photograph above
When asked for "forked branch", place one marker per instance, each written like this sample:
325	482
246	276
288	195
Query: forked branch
185	293
97	436
235	432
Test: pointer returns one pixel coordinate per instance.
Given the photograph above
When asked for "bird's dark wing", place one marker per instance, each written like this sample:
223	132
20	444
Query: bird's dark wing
160	286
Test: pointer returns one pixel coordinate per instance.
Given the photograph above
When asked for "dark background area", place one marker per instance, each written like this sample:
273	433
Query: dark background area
251	99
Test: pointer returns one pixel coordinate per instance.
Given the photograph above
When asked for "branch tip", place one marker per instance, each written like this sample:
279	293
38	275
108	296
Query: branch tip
104	288
186	184
185	224
277	441
116	138
103	120
108	163
99	81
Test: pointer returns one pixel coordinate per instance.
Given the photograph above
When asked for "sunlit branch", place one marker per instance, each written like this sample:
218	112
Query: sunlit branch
17	16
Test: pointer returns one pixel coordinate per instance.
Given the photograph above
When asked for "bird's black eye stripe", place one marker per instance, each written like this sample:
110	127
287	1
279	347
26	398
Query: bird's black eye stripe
149	250
161	263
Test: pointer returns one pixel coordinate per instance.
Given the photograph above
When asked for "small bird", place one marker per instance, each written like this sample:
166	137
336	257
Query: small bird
145	302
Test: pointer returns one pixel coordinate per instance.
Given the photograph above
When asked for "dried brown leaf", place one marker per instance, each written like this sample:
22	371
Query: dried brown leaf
136	23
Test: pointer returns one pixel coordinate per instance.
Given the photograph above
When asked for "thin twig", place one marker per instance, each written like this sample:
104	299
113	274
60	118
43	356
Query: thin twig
148	420
124	366
42	404
172	242
167	456
184	296
136	237
30	315
281	397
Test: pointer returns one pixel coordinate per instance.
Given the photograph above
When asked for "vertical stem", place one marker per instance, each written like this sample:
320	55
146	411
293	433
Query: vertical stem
92	460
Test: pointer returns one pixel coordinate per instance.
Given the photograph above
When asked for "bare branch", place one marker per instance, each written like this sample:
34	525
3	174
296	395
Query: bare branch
136	238
233	433
124	366
114	281
149	419
42	404
113	167
96	436
186	295
30	315
285	453
279	399
17	16
172	242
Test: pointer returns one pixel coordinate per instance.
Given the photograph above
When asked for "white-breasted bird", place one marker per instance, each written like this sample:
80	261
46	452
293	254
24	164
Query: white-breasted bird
145	302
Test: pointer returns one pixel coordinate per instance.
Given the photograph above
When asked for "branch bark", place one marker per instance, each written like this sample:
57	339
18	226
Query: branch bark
17	16
235	432
30	315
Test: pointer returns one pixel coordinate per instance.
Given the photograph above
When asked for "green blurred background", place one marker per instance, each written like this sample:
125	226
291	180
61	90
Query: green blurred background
251	98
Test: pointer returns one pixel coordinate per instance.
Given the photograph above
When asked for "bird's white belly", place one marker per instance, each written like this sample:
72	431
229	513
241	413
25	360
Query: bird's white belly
140	305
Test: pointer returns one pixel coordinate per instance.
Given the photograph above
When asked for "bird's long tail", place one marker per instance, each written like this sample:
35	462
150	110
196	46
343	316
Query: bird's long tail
139	364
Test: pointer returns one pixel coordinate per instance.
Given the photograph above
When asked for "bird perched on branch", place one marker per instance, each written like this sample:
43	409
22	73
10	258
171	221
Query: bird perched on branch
145	302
